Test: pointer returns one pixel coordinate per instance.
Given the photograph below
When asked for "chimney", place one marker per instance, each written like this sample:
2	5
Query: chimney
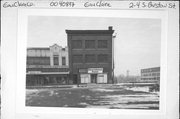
110	27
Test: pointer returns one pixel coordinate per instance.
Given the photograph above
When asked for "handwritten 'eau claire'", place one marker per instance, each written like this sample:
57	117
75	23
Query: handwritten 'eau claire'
97	4
18	4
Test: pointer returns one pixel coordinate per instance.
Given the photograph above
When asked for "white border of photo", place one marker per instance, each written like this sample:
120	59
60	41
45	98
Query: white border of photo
169	69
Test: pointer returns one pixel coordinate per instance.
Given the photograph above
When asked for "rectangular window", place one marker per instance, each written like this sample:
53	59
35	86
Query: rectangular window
89	44
102	44
102	58
77	58
38	60
77	44
63	60
90	58
85	78
56	60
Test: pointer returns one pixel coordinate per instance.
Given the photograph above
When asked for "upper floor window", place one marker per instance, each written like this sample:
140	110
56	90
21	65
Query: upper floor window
56	60
89	44
76	44
77	58
90	58
63	60
103	58
102	44
38	60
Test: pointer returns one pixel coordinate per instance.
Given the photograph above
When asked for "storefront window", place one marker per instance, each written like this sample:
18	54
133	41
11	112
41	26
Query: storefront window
102	78
85	78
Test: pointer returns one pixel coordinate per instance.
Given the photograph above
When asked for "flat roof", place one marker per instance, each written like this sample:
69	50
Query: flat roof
89	31
45	48
38	48
151	68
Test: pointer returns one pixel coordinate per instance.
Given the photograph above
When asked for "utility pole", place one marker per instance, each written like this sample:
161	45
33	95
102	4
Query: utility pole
127	75
113	38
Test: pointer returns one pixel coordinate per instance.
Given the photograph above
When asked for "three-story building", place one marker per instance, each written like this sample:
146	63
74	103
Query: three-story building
90	55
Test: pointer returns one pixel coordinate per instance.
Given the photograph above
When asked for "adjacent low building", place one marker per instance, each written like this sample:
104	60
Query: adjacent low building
90	56
150	74
47	66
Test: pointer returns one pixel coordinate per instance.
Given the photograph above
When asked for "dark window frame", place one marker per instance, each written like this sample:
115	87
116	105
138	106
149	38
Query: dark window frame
102	59
55	60
77	60
63	61
101	45
88	44
75	44
38	60
88	56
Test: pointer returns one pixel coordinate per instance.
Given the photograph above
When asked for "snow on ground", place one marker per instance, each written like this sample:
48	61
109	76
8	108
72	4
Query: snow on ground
31	91
133	83
131	98
102	90
144	89
126	101
111	97
125	106
142	101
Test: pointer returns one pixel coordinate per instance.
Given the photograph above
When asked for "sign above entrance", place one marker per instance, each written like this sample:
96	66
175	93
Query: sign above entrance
95	70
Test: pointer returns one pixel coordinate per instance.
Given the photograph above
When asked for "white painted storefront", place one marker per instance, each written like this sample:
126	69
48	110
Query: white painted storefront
85	78
94	75
102	78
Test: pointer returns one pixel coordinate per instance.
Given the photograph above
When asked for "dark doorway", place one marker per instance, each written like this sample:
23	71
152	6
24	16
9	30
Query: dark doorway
75	78
93	78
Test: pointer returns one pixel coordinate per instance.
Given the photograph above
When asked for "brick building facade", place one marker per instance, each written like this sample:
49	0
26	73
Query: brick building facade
90	56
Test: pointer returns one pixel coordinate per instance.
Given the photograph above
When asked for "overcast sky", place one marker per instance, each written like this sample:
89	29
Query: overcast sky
137	43
0	59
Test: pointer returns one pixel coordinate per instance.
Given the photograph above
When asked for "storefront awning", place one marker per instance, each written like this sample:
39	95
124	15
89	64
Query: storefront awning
45	73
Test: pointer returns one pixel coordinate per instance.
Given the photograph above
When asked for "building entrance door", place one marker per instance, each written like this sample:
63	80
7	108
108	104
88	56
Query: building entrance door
75	79
93	78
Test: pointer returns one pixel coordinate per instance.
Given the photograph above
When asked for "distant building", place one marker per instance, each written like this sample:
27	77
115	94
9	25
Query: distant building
90	56
47	65
150	74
